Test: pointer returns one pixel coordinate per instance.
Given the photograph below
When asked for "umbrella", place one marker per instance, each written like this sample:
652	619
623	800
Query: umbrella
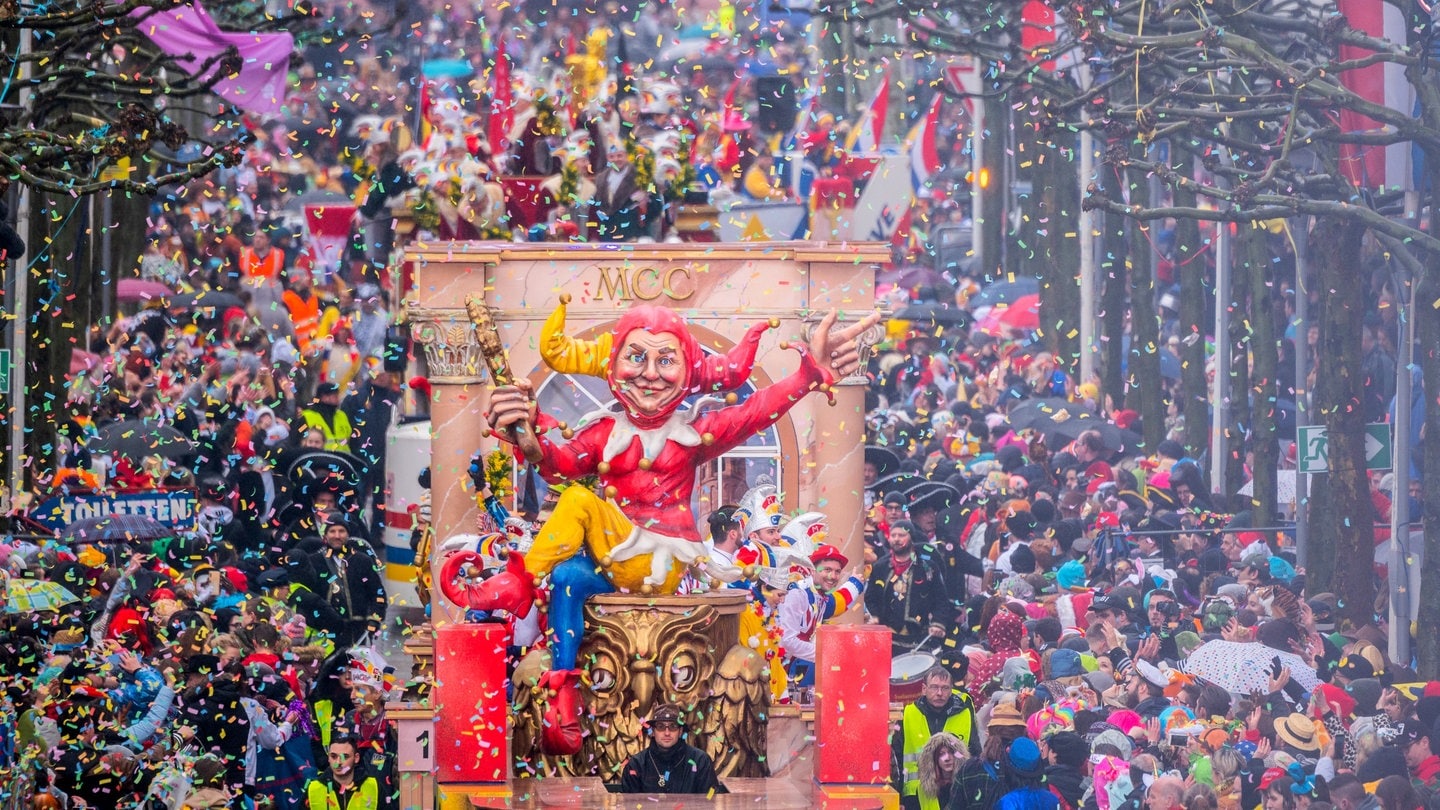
135	439
1006	292
1116	439
36	595
114	528
912	277
1046	413
130	290
323	463
1024	314
1243	667
206	299
1284	487
934	319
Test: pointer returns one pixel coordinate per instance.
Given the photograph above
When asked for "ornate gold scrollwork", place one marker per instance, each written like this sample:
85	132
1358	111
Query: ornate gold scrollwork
640	652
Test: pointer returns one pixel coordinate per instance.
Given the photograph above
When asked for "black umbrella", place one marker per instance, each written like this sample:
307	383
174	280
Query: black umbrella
206	299
135	439
1116	439
1045	414
115	528
934	320
325	464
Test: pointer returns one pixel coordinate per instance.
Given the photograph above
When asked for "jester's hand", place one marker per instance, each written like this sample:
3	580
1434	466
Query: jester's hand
837	350
512	407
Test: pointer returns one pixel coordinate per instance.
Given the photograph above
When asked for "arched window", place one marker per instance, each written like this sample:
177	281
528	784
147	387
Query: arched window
568	397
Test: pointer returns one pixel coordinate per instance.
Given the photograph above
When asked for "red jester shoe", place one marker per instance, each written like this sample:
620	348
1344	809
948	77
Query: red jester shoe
560	734
512	590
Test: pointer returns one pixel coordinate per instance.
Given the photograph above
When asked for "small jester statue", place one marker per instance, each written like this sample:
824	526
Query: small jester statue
646	451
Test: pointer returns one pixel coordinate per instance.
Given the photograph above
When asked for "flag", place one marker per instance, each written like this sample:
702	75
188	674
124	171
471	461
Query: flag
190	35
502	104
1037	31
924	159
329	229
869	132
1382	167
809	111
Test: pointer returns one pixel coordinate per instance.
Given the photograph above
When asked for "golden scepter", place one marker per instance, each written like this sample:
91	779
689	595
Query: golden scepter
499	364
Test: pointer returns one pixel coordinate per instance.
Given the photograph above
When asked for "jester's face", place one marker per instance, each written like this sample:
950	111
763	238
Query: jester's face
649	371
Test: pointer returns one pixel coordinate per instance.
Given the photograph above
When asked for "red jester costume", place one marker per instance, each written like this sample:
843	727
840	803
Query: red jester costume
646	452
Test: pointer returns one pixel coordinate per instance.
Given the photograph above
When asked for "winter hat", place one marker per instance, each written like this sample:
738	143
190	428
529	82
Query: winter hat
1066	664
1339	699
1384	761
1015	674
1099	681
1115	740
1366	692
1070	576
1069	748
1023	759
1354	668
1022	560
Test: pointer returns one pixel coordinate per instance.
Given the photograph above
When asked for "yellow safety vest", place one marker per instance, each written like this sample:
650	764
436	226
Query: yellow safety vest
323	797
917	733
337	439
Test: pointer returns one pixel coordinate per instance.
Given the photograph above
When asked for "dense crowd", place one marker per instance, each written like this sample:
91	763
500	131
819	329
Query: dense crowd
1093	626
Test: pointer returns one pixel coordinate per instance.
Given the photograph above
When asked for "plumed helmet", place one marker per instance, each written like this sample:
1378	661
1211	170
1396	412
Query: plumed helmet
759	509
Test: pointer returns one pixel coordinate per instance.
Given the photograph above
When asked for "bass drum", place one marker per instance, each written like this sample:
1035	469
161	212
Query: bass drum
907	676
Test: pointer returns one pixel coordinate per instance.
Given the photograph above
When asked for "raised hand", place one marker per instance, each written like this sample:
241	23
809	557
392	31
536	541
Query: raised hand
512	406
837	349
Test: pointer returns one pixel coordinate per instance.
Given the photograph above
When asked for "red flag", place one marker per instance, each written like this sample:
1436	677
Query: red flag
329	228
502	106
1037	31
1376	166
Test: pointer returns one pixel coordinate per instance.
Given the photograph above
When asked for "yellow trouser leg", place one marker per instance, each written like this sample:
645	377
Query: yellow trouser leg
580	520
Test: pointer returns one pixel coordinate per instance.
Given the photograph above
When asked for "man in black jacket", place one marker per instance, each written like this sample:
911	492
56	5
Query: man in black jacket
906	594
353	584
669	765
1065	755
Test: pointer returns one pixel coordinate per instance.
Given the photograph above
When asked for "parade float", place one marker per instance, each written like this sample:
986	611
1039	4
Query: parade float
648	385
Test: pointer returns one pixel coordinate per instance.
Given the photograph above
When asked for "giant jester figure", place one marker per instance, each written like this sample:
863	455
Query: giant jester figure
645	450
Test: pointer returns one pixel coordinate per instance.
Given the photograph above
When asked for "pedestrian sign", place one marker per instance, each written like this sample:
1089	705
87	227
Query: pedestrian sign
1313	450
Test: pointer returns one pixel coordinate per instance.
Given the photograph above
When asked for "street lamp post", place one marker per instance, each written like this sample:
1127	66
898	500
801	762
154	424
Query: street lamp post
1400	496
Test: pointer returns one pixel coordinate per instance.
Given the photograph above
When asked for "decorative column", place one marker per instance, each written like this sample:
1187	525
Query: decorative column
839	455
459	399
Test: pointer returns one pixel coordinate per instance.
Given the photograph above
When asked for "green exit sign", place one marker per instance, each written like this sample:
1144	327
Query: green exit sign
4	371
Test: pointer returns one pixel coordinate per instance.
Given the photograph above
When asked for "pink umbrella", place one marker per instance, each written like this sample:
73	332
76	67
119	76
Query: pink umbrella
130	290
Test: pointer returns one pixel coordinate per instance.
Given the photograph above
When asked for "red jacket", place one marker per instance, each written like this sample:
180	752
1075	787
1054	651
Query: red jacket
658	499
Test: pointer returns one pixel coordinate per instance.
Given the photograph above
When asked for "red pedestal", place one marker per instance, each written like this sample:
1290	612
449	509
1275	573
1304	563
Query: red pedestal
852	704
472	735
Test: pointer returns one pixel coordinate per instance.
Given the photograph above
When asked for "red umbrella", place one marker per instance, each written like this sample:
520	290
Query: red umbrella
130	290
1023	314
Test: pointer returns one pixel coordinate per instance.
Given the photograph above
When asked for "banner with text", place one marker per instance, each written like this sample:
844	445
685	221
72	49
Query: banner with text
174	508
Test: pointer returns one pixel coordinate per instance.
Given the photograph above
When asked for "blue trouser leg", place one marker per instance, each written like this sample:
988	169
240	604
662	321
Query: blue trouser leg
572	582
